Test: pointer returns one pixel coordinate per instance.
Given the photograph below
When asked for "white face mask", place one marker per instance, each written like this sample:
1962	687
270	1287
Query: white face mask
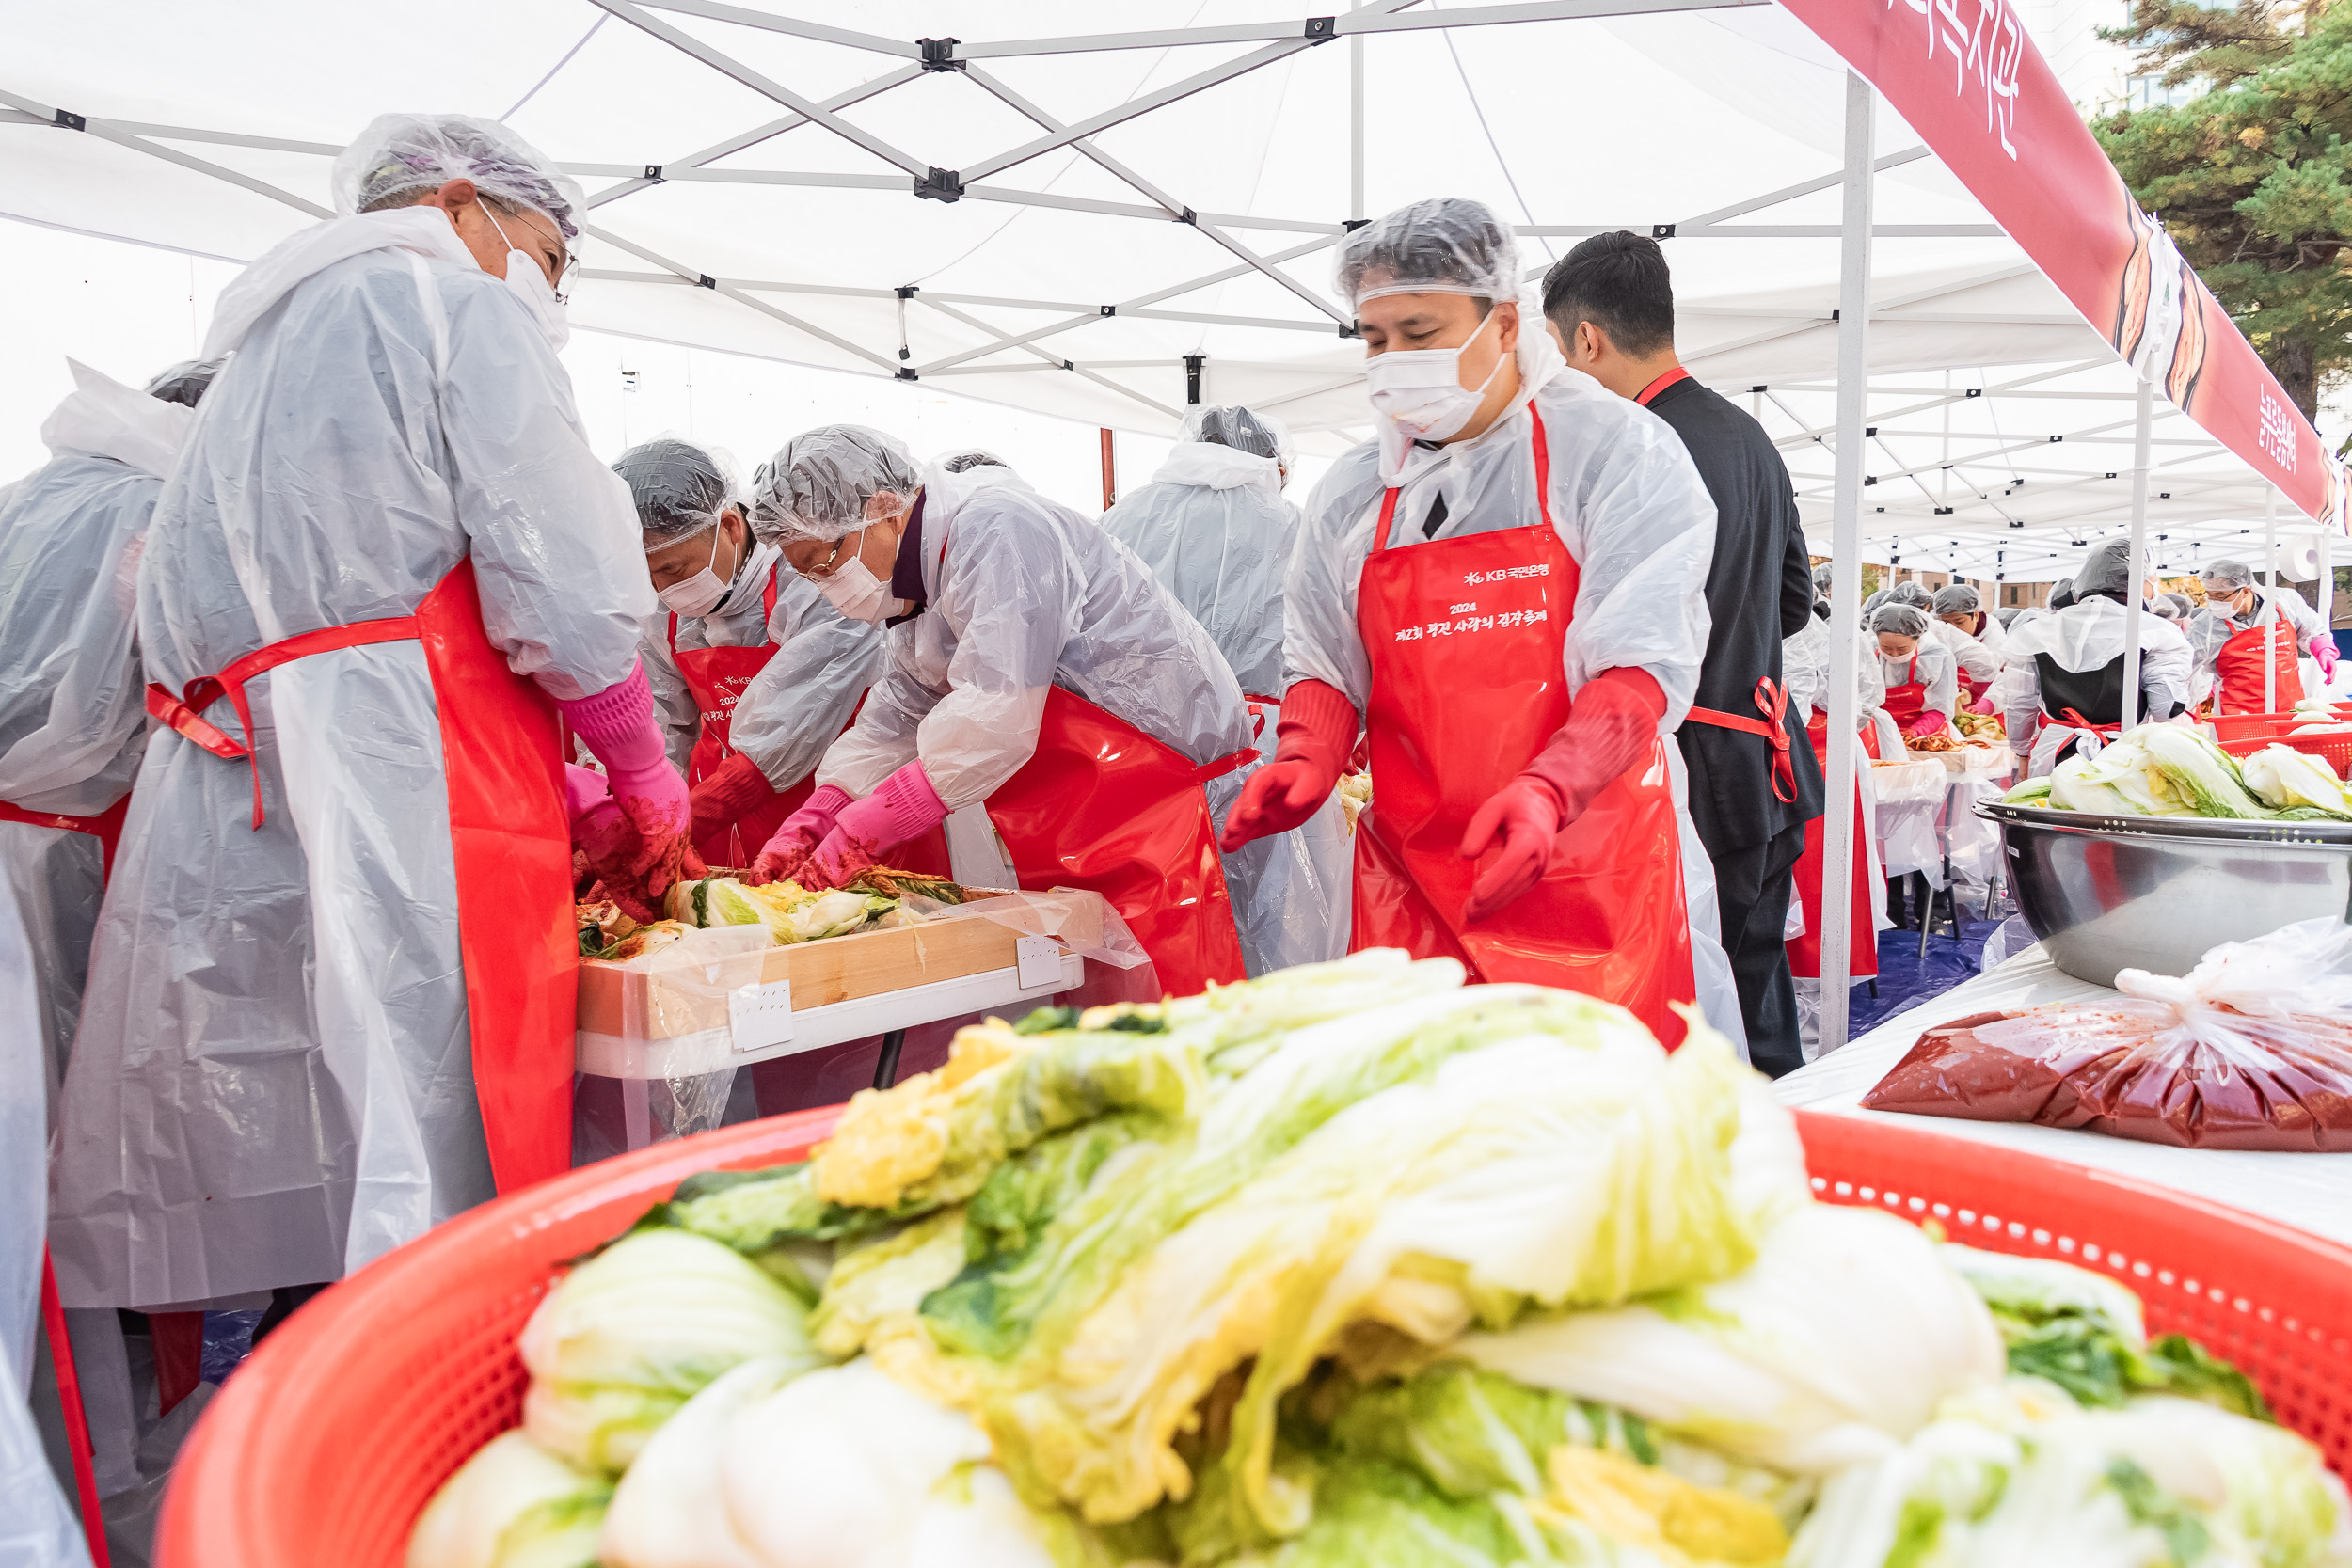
704	590
852	589
529	285
1421	391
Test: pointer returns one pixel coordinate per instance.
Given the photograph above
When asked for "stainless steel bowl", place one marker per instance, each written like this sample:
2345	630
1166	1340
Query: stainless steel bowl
2154	892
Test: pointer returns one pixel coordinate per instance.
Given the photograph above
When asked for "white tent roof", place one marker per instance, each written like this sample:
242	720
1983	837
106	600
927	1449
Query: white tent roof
1075	273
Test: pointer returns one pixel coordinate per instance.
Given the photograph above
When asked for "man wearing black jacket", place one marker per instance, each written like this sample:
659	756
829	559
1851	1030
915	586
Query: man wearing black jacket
1611	301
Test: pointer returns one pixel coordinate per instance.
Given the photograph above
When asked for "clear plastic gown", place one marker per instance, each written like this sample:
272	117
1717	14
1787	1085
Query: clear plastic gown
1213	526
272	1082
1028	595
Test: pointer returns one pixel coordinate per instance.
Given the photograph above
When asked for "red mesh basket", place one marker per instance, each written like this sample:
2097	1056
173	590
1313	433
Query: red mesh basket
327	1443
2337	748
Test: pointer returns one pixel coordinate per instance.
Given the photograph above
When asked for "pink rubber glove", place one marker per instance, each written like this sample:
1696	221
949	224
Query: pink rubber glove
636	867
789	847
1927	723
1983	706
1312	745
584	789
904	807
2324	650
1610	725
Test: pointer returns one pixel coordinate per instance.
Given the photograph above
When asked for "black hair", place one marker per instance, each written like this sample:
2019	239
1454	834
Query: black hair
1619	283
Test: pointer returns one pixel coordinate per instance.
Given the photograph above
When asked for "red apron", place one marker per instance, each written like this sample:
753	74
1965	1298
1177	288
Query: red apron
1102	805
1862	937
1908	701
512	847
717	677
2237	667
1456	711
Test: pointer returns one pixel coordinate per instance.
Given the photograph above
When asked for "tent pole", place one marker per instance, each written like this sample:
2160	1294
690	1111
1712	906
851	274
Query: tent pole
2141	422
1110	471
1845	617
1355	123
2270	585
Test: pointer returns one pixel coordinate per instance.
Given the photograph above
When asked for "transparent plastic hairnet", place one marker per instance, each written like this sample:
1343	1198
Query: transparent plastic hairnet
1443	245
1903	620
1823	577
2227	577
1910	593
817	485
679	488
399	153
1958	600
2174	606
2106	571
184	383
970	458
1242	428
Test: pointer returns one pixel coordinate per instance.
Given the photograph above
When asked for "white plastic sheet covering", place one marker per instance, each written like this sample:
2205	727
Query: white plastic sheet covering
1073	277
2312	1191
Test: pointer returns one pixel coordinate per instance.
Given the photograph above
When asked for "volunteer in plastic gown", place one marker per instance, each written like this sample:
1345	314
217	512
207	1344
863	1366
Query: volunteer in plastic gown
2230	636
1805	657
71	717
1214	529
1033	663
1506	589
1920	674
1959	609
2066	666
330	1002
753	674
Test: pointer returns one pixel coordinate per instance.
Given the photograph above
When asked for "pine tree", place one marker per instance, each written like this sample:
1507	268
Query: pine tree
2253	175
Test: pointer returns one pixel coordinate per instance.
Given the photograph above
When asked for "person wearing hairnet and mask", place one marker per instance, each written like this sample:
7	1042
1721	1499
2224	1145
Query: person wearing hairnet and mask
1033	664
753	674
2242	628
1920	675
1822	578
1961	606
2067	691
1214	529
71	719
1506	589
330	1000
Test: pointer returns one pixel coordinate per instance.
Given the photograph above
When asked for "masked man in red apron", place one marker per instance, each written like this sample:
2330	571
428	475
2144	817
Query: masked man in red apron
1506	589
330	1000
1033	663
2063	689
2243	630
754	673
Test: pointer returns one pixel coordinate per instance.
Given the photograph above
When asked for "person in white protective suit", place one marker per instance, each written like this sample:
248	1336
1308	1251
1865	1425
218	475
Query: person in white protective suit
1976	662
1034	664
2067	688
1960	608
1504	589
2233	637
1919	674
72	719
2175	608
1804	668
753	674
1212	525
330	999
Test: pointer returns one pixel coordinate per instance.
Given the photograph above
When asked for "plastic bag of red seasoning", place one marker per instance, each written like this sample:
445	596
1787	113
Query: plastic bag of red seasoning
2251	1049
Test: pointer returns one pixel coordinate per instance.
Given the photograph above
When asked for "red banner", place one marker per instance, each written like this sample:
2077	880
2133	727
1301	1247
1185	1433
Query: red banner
1969	80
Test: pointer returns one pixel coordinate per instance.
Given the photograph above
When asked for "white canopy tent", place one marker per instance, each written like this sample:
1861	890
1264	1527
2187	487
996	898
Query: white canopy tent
1103	226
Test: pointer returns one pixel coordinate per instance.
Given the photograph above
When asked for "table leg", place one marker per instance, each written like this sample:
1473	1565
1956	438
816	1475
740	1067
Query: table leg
886	1070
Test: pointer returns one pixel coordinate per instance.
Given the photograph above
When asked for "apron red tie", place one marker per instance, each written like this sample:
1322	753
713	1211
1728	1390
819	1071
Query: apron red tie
511	844
2237	667
1773	701
1099	804
1862	938
106	827
1465	638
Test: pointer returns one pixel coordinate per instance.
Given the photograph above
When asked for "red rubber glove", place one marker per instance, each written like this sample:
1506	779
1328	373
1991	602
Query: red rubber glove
2324	651
1312	741
735	789
904	807
789	847
1610	726
639	864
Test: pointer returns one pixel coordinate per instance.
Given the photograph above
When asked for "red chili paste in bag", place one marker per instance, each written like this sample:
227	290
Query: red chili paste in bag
2200	1076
